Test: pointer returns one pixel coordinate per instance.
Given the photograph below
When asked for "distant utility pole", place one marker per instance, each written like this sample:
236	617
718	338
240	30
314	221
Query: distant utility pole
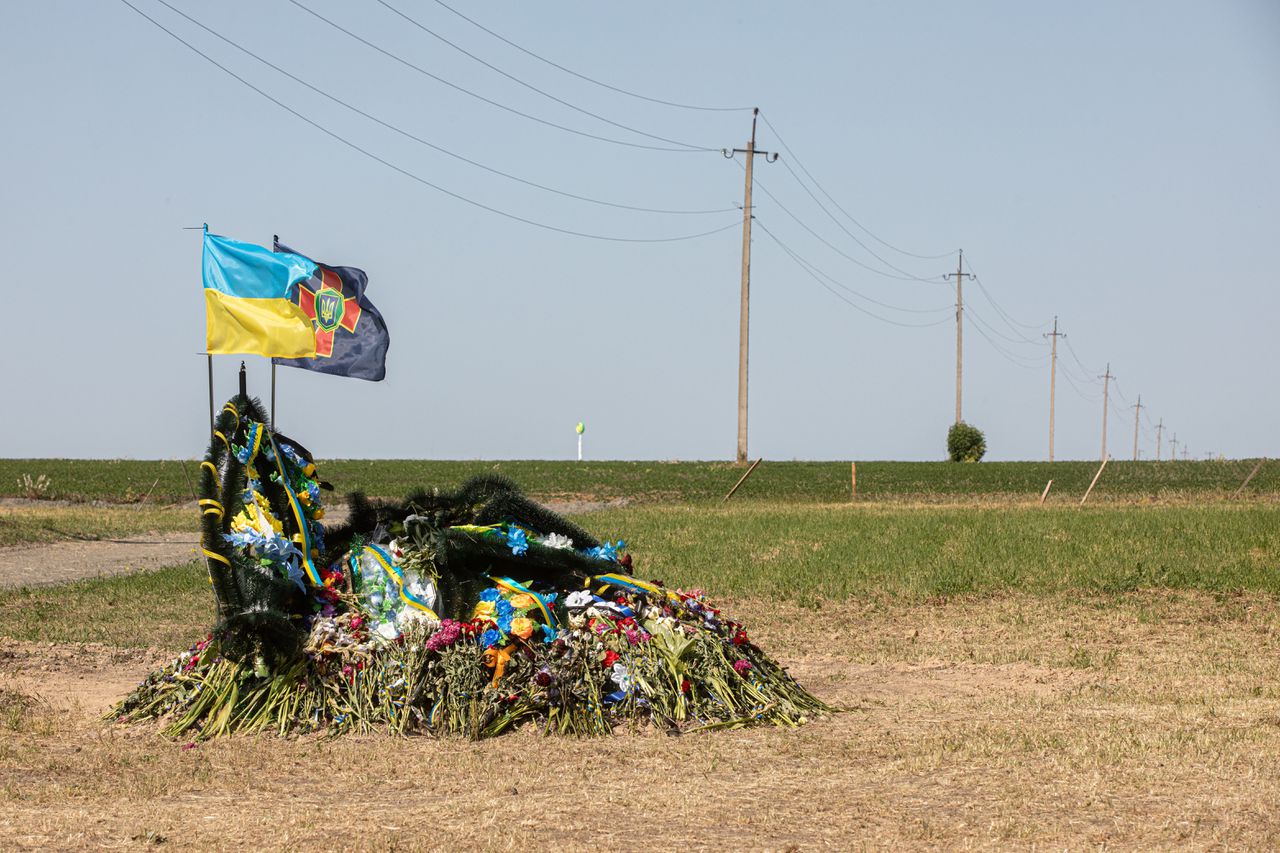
1185	453
745	310
960	275
1159	430
1137	410
1053	378
1106	385
1173	452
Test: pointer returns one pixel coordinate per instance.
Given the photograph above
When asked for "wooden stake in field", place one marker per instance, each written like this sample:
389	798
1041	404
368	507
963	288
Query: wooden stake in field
853	479
743	480
1252	474
1045	493
1089	491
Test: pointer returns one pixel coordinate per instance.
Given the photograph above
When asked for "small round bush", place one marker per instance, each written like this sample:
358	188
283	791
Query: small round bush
965	443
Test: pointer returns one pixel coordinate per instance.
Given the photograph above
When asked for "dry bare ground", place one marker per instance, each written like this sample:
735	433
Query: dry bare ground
1147	721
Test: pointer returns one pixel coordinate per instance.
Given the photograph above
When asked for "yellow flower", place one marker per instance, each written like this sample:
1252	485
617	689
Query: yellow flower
484	610
522	627
523	601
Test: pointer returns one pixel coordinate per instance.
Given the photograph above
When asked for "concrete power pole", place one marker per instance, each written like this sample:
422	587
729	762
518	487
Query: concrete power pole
1106	385
1053	377
960	275
1137	410
744	313
1159	431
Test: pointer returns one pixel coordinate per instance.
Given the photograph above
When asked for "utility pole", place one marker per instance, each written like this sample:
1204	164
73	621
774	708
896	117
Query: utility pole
1173	452
1053	378
960	275
1137	410
1159	430
745	309
1106	384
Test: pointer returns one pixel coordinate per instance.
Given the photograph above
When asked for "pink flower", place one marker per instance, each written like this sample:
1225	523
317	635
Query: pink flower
742	667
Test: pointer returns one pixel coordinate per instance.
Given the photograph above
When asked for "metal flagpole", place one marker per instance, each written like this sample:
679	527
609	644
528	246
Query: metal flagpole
211	419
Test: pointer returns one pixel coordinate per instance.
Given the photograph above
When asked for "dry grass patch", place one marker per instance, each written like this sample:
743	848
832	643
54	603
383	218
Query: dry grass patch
1147	720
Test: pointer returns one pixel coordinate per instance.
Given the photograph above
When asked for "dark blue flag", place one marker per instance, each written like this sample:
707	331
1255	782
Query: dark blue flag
351	336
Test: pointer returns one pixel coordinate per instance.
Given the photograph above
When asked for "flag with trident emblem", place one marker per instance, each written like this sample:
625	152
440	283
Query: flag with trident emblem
351	336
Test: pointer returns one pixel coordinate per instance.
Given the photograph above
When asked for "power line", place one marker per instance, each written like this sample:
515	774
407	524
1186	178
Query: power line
523	83
1000	334
1008	318
406	63
841	226
804	265
1083	367
1092	399
411	136
592	80
825	241
406	173
871	234
946	309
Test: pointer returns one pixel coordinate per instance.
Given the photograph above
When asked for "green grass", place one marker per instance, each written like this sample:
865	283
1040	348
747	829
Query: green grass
782	551
33	523
169	608
129	480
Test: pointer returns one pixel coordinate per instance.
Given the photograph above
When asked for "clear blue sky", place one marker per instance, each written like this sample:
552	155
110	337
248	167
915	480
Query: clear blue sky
1114	164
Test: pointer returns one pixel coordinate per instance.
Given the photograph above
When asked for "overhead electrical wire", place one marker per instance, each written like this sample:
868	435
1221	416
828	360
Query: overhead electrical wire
415	138
858	294
513	78
580	76
1013	358
1072	350
1076	388
824	240
969	309
871	234
804	266
406	63
787	165
406	173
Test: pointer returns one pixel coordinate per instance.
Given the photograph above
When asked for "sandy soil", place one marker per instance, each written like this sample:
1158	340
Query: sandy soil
1152	721
73	559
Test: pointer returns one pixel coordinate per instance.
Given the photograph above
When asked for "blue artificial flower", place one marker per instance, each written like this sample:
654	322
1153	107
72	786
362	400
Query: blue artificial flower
490	638
549	634
490	594
504	623
503	608
607	551
517	541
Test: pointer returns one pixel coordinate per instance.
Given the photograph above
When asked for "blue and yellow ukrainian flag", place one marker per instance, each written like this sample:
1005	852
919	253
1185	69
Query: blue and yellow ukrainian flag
246	300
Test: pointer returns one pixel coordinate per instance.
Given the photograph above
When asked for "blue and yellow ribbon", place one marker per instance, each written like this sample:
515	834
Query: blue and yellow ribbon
636	585
388	565
303	530
510	585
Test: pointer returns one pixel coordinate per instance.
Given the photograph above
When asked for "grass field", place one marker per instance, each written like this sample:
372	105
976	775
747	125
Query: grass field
827	482
1013	675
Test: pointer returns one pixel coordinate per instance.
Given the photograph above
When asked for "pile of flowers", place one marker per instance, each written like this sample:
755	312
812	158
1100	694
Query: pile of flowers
561	637
620	652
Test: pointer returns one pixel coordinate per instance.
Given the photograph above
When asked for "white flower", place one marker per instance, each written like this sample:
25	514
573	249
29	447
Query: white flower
578	600
555	540
388	630
621	677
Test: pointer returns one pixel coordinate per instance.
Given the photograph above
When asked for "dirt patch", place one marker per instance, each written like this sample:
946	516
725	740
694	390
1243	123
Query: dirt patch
1152	722
74	559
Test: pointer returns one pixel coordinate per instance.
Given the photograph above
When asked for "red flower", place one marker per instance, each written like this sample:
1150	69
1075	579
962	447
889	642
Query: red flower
610	658
740	639
684	685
